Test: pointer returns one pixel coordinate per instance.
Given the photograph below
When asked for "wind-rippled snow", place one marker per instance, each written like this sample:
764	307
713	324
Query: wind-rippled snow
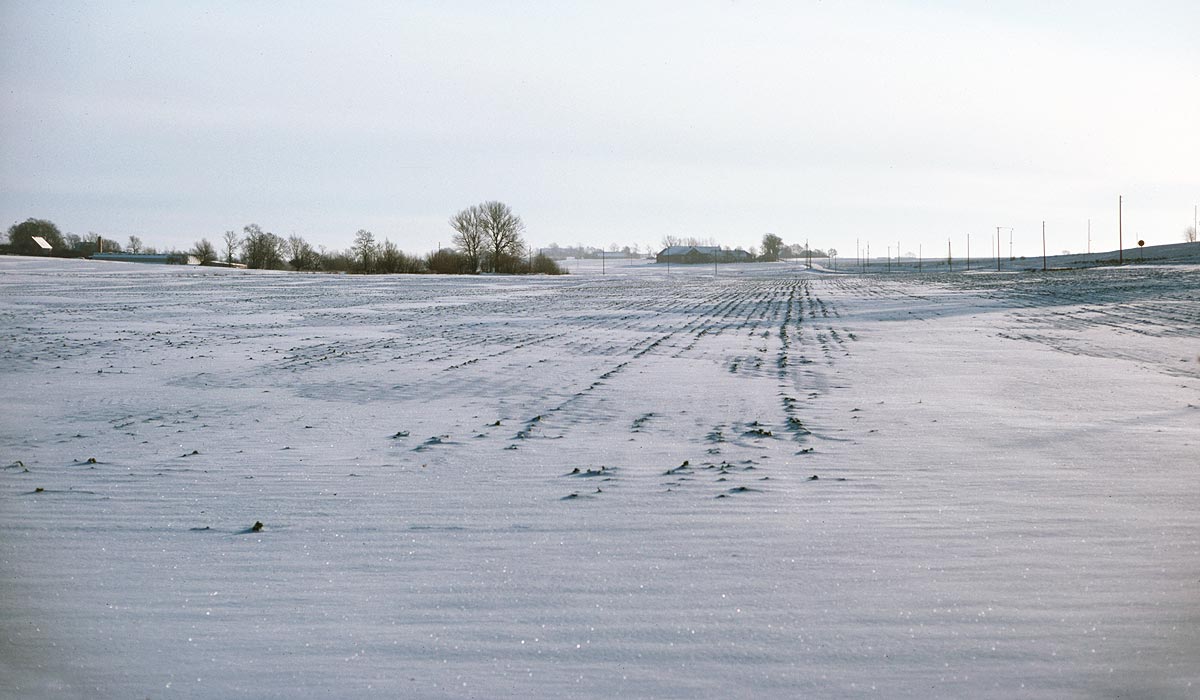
598	486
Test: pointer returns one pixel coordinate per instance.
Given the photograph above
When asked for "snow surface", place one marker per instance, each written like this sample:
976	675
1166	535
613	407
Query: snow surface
598	485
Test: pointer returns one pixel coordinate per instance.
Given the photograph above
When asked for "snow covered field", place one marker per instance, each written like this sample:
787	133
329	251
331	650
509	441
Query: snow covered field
763	483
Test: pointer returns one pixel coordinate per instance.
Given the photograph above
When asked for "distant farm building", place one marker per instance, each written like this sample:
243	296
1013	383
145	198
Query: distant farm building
156	258
222	263
689	254
700	254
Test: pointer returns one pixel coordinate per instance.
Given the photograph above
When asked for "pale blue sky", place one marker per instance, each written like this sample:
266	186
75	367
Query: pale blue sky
605	122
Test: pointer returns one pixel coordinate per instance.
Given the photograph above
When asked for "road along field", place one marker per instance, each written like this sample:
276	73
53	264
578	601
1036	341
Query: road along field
760	482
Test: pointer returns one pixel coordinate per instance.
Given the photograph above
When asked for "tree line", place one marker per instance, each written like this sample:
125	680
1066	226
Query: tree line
488	237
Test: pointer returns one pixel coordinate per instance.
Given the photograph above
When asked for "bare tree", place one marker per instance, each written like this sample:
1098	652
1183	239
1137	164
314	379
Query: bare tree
205	251
669	241
135	244
389	259
364	249
468	233
771	244
301	255
1189	234
503	230
232	243
263	250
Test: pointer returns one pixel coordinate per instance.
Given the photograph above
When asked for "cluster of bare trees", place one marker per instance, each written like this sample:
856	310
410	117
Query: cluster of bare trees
205	251
579	250
259	249
771	247
487	237
669	241
382	257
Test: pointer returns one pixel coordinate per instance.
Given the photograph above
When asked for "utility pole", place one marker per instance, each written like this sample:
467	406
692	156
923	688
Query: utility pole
949	256
1120	231
889	259
918	257
968	252
1089	236
998	228
1043	245
998	248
